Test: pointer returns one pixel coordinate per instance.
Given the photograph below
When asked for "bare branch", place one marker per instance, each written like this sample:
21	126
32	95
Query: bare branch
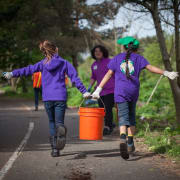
139	11
144	4
165	21
165	9
139	17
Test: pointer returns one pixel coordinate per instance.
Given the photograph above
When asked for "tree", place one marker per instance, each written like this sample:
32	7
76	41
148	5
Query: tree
26	22
160	10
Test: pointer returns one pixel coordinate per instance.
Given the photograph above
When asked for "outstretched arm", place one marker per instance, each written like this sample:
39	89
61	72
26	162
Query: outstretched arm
29	70
154	69
171	75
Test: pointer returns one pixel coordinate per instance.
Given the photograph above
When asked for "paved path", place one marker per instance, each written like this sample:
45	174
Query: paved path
80	160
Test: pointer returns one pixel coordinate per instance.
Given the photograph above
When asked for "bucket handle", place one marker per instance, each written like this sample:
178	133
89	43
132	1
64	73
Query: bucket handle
90	98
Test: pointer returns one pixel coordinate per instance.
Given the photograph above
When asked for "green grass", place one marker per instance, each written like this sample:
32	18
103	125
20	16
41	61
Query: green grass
161	142
18	93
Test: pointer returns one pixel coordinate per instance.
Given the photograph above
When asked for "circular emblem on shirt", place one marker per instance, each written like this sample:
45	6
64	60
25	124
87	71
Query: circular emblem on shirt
95	67
130	66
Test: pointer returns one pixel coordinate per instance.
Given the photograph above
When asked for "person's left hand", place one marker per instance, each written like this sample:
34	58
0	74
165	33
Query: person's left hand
171	75
7	75
86	95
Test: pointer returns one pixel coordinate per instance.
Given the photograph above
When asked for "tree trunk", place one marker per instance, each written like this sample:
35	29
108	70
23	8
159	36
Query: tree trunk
177	46
24	86
14	83
176	95
166	60
74	61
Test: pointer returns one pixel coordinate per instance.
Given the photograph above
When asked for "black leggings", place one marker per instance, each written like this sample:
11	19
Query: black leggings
108	101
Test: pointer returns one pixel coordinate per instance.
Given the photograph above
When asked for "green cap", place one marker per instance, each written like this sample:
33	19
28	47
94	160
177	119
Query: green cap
128	39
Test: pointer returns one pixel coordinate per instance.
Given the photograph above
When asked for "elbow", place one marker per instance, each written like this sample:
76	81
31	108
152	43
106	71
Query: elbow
149	68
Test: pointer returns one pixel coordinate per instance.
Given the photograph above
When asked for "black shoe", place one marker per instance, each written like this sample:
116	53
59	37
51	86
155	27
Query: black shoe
111	129
36	108
106	131
55	153
123	149
53	141
61	137
131	148
113	125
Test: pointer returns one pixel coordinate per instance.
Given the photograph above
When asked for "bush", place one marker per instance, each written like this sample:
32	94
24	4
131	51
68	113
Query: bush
160	111
161	142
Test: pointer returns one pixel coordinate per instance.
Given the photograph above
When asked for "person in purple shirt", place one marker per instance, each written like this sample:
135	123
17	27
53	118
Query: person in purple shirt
54	93
99	69
127	67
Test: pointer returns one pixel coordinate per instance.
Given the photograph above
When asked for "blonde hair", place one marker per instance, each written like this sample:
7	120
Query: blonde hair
48	49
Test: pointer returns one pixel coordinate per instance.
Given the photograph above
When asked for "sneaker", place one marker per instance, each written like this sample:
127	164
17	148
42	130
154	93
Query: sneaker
61	137
131	147
106	131
55	153
36	108
53	141
123	149
113	125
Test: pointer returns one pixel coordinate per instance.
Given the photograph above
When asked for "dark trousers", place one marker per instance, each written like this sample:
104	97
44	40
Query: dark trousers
36	96
108	101
55	111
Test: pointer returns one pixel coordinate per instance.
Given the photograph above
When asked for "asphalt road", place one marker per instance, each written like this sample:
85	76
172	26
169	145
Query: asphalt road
80	160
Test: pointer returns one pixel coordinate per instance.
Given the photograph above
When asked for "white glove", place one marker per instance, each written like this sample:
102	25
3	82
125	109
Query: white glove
8	75
86	95
171	75
96	93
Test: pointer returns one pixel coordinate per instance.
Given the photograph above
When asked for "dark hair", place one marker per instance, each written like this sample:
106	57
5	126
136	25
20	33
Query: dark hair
102	49
129	50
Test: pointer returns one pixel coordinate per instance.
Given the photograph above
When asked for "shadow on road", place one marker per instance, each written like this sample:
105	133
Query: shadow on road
137	156
111	153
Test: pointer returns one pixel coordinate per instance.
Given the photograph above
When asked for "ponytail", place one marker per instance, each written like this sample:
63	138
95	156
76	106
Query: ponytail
48	49
128	54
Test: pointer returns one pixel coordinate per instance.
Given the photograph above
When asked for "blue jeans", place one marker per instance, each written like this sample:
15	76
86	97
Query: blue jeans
36	96
127	113
55	111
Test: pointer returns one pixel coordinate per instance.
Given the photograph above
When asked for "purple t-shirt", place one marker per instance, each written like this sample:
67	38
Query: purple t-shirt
127	90
53	77
99	69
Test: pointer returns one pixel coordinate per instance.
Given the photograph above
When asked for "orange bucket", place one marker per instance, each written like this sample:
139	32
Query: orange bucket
91	123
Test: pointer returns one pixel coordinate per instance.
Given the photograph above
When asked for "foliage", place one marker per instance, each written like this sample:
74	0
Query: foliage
161	11
152	53
74	96
161	107
19	93
161	142
160	110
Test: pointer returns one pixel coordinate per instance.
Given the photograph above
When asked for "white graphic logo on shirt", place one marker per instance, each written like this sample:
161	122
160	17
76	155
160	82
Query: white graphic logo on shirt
95	67
130	66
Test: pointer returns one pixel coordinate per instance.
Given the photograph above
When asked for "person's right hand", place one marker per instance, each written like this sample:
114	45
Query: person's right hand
86	95
96	93
7	75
